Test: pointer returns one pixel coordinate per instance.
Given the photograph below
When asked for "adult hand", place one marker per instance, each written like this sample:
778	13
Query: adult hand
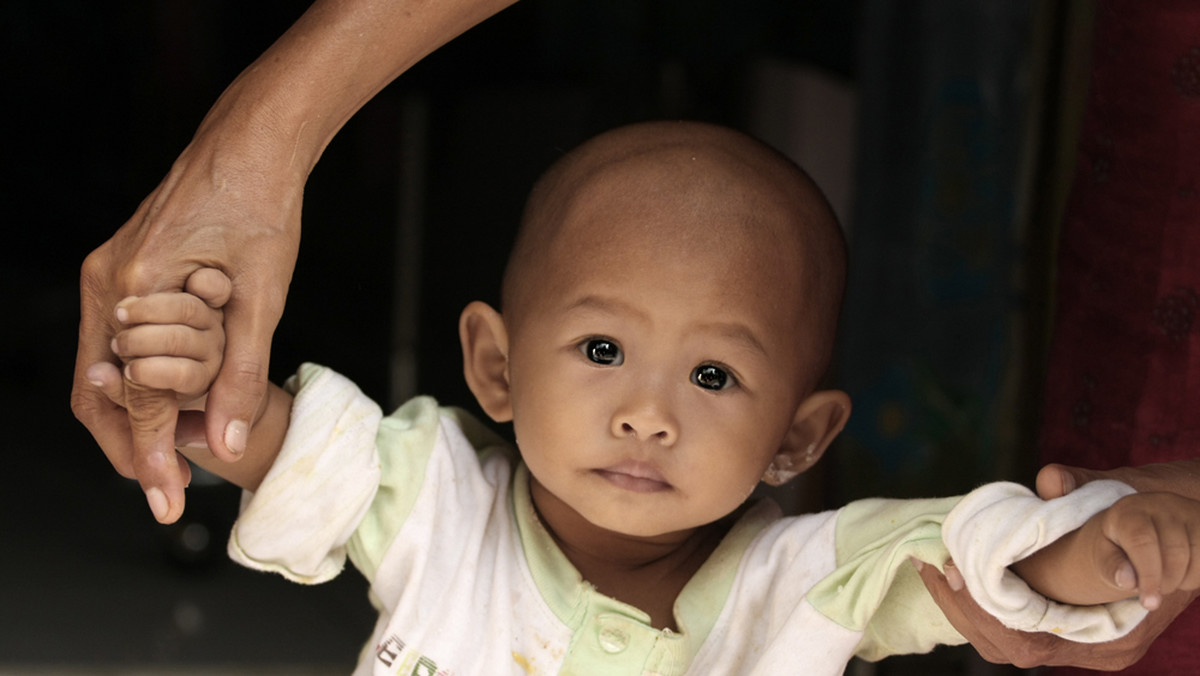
212	210
1000	645
1181	477
232	202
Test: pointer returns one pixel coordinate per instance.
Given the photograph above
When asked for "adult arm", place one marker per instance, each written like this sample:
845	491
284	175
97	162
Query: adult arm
1000	645
232	201
1181	477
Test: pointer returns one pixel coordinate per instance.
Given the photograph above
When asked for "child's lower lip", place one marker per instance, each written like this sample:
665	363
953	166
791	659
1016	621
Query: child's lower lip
633	483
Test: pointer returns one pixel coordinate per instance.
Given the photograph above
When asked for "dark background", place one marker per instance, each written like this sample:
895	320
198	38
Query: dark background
100	98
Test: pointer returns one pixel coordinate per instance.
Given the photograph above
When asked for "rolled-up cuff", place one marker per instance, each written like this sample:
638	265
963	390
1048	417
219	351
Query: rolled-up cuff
1000	524
298	521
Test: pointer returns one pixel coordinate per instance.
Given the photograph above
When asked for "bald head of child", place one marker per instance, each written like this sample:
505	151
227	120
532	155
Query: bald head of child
667	278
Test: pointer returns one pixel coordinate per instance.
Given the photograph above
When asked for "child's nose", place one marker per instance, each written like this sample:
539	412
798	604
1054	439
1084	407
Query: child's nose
645	417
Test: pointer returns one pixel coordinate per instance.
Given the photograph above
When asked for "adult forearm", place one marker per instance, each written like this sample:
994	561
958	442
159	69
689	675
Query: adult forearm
1181	477
232	201
286	106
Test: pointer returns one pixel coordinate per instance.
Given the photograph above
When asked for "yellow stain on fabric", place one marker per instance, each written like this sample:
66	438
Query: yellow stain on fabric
522	662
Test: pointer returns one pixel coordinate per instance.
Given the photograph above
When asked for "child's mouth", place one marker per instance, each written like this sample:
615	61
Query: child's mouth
639	477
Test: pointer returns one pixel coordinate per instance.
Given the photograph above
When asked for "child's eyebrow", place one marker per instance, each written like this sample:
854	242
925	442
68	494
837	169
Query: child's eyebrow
612	306
733	331
736	332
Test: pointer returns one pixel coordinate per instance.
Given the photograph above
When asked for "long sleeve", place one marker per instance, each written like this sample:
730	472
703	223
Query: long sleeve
876	590
1000	524
315	495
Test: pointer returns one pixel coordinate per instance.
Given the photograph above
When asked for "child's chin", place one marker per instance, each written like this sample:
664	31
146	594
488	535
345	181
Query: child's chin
640	529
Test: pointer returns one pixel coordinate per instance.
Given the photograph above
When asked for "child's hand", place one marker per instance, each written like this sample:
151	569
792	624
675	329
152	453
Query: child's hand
173	341
1152	541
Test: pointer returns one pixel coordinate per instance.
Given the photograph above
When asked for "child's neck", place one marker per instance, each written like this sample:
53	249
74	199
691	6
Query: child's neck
647	573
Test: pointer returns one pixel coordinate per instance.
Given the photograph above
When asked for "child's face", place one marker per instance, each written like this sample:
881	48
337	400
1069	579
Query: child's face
654	378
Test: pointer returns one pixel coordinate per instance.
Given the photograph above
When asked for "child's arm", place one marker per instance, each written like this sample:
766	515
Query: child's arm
1146	545
175	341
266	439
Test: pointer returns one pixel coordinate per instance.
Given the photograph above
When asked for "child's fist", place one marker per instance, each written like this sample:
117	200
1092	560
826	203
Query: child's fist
1159	535
174	341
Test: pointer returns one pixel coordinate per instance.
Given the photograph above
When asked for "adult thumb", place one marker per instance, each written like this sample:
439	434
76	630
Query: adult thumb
1055	480
237	393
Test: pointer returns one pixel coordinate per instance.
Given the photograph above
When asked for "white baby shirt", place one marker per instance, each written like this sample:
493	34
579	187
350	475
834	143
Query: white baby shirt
435	511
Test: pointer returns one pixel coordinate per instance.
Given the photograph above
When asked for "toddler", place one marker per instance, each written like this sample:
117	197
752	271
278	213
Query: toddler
667	313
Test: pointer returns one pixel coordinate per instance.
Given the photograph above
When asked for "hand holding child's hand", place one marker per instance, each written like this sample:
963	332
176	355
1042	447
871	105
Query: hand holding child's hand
170	341
1152	541
175	341
1001	645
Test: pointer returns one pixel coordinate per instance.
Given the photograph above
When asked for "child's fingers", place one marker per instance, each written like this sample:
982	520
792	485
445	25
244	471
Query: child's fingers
187	377
168	308
1191	577
1178	524
210	285
1131	526
1160	532
175	340
1110	560
1125	576
1176	554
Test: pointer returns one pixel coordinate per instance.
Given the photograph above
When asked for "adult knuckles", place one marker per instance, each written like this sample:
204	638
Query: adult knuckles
1033	650
136	276
94	268
85	404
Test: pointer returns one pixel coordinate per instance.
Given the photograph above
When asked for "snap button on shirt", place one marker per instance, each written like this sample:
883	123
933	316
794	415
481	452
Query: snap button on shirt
616	638
612	639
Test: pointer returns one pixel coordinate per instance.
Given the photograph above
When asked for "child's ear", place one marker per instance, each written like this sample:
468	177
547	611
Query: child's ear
485	359
819	418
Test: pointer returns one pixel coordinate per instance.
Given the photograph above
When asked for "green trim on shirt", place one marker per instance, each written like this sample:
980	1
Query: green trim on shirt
875	588
609	635
608	632
409	436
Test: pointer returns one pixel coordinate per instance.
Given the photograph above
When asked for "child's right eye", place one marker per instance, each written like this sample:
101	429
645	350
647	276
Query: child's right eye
602	351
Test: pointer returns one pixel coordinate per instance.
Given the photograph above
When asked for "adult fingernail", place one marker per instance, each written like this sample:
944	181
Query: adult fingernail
1068	481
1151	601
158	503
917	563
235	436
93	375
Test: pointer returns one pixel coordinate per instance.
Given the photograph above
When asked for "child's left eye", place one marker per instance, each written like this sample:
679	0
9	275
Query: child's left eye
711	377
